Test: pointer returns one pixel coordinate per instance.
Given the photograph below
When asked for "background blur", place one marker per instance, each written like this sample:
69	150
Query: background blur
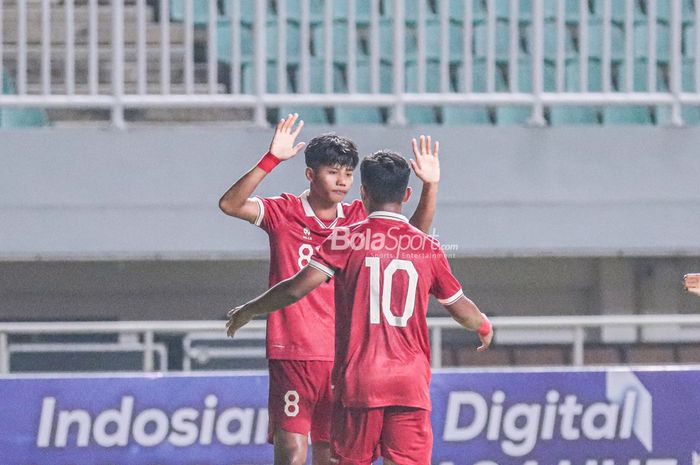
569	135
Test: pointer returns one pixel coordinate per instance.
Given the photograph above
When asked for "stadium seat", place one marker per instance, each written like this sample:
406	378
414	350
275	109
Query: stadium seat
520	114
224	44
688	47
628	114
358	115
551	39
14	117
362	10
688	75
595	40
465	114
312	114
640	71
689	114
316	10
618	10
663	41
577	114
502	41
456	11
200	10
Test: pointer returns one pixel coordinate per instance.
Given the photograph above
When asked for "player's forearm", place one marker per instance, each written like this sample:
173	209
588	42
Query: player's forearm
278	296
466	313
425	211
235	198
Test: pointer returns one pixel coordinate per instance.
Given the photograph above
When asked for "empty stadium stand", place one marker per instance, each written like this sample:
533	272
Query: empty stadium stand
449	49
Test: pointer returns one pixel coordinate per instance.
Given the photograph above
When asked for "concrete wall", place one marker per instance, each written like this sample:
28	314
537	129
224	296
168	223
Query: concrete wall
125	225
152	193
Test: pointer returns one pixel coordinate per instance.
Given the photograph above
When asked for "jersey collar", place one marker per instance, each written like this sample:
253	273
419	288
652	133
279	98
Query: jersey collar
388	216
310	211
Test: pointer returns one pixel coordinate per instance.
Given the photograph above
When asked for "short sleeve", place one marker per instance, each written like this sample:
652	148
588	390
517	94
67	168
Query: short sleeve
271	211
331	255
445	286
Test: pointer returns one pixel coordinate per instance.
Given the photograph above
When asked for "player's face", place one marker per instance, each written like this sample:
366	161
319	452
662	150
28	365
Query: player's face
332	182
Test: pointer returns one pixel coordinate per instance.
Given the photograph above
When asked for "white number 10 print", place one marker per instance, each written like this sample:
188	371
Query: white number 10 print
375	292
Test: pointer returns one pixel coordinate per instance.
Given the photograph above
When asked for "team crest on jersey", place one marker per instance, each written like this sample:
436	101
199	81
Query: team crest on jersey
307	233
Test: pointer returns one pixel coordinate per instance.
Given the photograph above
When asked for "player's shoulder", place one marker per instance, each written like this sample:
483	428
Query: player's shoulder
354	211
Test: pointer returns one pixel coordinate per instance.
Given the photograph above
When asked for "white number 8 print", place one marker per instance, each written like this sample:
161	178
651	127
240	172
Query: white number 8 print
305	253
374	291
291	403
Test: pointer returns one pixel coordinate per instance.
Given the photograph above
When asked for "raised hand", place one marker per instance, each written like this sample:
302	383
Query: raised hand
426	165
691	283
282	145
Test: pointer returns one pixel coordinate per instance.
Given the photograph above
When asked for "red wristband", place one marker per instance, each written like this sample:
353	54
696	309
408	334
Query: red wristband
268	162
485	327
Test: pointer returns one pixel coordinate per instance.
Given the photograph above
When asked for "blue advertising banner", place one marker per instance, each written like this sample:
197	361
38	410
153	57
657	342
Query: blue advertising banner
597	417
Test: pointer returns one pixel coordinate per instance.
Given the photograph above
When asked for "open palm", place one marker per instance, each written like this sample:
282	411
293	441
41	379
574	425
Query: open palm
282	145
426	164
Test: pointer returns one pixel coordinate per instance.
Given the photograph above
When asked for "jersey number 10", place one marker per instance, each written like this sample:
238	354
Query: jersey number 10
382	297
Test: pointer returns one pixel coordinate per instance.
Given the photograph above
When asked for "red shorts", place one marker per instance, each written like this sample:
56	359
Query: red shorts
300	399
361	435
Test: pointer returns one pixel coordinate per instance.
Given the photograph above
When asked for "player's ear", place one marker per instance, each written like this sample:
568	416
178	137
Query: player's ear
309	173
363	194
407	195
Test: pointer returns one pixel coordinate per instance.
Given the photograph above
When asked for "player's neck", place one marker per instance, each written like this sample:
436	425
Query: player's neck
323	208
384	207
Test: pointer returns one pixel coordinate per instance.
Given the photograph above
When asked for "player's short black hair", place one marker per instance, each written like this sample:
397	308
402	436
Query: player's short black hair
330	149
384	175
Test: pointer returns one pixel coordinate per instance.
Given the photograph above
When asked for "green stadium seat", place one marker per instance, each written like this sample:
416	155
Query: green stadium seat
432	77
502	37
433	40
573	71
311	114
363	78
417	114
688	76
456	11
224	45
640	70
595	40
14	117
386	41
411	11
663	41
688	48
551	36
549	10
248	79
690	115
316	10
200	9
623	115
513	115
577	114
362	10
358	115
465	114
618	10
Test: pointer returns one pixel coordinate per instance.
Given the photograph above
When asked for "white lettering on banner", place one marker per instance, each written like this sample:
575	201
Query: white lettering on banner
586	462
519	426
150	427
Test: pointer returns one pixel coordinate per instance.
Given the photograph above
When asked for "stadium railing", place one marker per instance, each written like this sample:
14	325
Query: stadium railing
510	61
202	341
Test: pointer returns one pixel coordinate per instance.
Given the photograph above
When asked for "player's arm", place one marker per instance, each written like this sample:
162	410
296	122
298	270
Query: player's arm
280	295
427	167
691	283
466	313
236	201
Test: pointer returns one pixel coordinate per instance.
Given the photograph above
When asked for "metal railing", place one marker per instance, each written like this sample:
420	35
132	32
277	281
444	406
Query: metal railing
74	62
140	335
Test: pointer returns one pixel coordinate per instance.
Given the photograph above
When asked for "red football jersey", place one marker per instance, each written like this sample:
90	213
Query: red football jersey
304	330
385	270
